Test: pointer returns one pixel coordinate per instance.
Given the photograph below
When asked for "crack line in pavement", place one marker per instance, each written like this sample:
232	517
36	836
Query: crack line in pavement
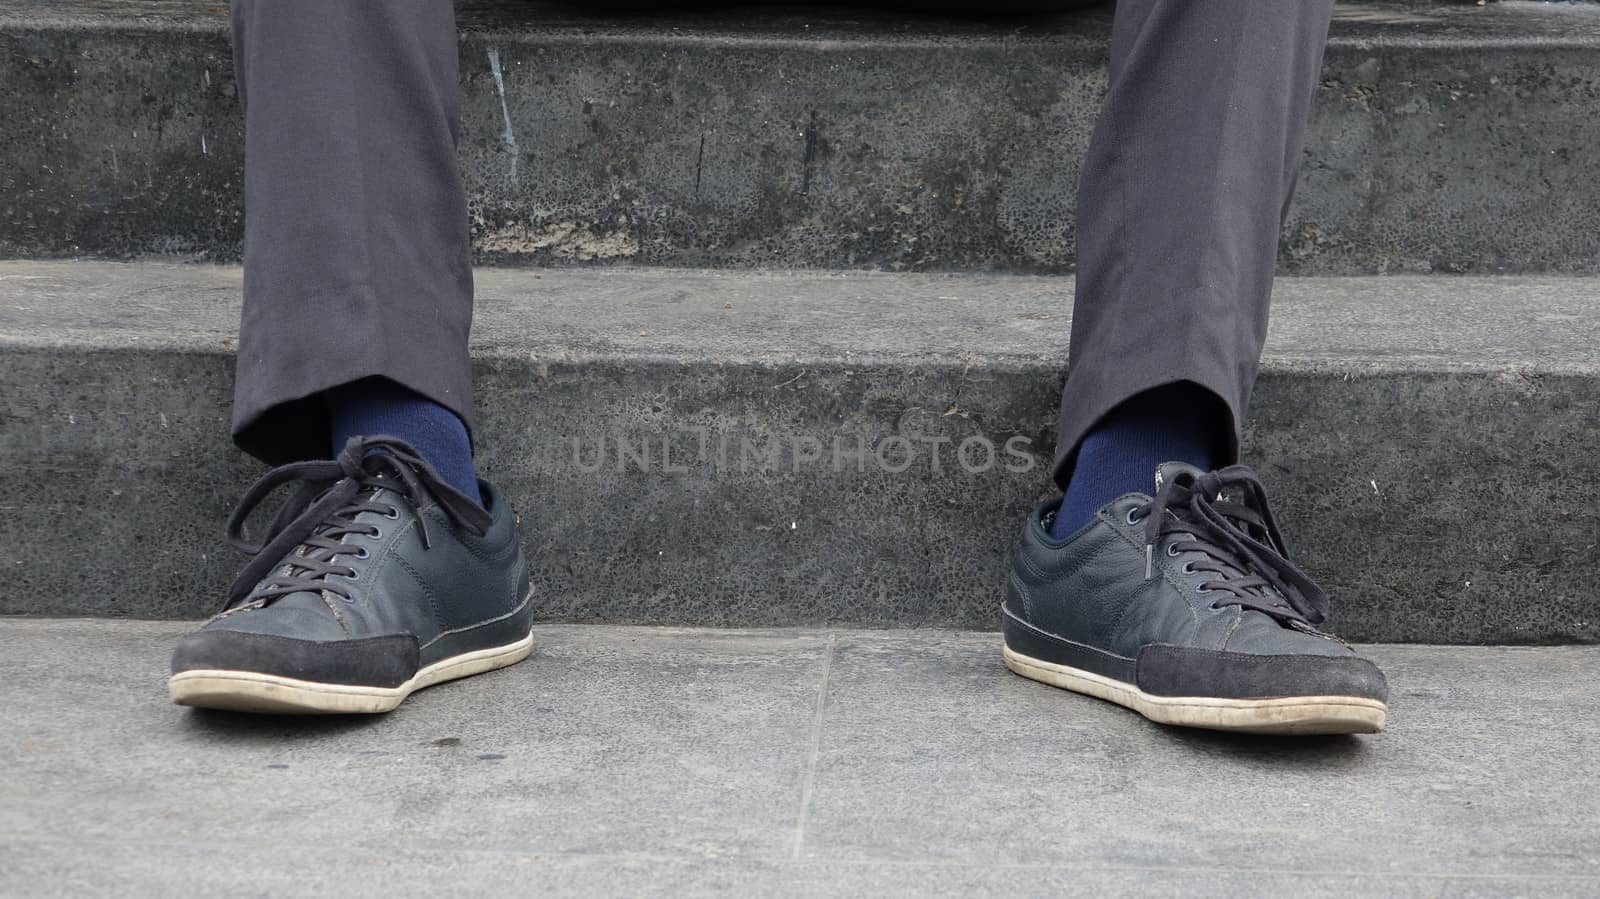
816	749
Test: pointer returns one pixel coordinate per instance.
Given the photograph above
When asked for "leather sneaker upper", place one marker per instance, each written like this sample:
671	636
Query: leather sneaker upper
1185	592
371	570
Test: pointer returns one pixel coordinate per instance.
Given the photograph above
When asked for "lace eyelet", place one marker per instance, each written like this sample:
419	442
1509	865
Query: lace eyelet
1172	550
393	514
1213	606
1187	569
1134	517
361	553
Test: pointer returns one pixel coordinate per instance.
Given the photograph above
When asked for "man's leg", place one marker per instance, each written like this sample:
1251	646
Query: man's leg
357	256
1185	186
1170	592
392	567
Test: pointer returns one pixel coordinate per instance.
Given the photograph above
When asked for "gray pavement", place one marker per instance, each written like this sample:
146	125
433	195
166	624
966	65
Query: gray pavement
648	760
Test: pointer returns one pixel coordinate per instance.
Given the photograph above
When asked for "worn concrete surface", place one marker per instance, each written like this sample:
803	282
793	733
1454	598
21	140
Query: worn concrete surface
1426	441
623	761
1446	138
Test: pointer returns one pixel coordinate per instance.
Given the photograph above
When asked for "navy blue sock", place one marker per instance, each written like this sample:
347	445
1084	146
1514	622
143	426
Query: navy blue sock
1175	423
373	406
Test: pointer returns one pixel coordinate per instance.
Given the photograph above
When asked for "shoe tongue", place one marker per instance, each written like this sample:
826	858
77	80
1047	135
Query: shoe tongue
1167	472
384	483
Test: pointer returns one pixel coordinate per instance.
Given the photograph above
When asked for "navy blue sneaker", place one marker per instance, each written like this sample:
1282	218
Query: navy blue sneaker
376	579
1184	607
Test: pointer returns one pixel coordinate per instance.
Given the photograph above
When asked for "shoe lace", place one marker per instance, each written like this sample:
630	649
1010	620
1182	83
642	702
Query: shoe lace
1224	515
301	548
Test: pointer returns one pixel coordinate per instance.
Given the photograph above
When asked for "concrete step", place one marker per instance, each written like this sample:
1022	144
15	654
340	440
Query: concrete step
1446	138
625	761
747	449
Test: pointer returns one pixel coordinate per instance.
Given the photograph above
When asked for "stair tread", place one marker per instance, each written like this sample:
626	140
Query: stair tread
1543	324
1362	23
1419	436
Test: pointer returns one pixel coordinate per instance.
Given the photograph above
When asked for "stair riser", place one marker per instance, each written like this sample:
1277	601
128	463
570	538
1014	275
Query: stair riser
1436	508
955	154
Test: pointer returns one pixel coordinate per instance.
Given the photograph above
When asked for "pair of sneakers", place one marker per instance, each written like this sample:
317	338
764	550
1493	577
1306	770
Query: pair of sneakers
377	579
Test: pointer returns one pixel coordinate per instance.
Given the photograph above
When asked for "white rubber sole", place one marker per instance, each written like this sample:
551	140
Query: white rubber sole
1292	715
250	691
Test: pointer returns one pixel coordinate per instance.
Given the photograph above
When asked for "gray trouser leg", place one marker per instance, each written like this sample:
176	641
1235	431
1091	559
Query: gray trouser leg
1188	177
357	252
